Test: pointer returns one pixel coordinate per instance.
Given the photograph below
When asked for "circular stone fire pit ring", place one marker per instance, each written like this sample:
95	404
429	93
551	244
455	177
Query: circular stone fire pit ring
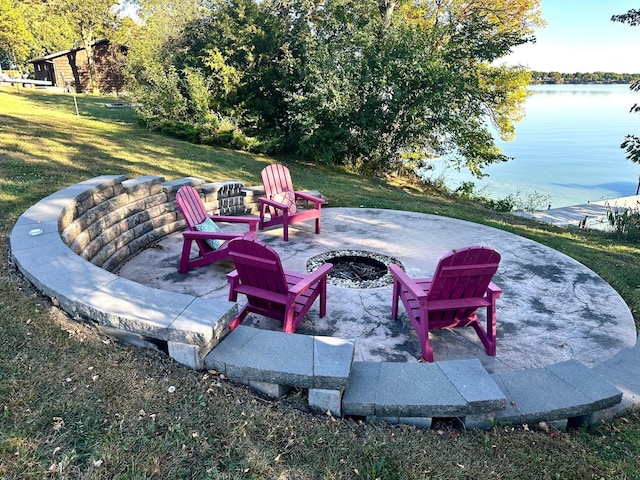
355	268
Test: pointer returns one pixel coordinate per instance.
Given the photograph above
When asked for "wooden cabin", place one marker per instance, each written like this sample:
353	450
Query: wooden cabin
71	68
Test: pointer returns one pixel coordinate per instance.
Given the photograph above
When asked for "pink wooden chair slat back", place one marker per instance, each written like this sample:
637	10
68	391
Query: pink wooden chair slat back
191	206
465	273
276	179
258	265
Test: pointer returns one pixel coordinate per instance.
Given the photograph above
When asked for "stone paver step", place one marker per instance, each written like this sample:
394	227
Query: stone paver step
556	392
454	388
252	354
622	370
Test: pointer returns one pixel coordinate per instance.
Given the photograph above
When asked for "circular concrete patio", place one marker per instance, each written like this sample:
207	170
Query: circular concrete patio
552	308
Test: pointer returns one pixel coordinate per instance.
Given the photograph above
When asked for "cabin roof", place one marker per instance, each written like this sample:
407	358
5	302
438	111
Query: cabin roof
51	56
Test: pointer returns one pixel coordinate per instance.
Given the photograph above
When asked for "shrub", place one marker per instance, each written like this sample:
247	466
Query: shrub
625	223
513	202
181	130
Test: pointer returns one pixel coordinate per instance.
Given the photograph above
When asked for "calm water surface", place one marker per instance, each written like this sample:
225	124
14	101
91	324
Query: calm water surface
567	147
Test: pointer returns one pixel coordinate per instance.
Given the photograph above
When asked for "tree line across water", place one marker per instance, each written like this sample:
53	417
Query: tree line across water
583	78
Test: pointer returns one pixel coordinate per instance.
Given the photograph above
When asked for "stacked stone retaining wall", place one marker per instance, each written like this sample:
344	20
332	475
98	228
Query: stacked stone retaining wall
109	225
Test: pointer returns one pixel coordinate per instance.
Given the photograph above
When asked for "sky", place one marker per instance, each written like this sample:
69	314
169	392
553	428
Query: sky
580	37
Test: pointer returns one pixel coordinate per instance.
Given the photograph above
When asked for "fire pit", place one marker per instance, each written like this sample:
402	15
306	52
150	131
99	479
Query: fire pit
355	268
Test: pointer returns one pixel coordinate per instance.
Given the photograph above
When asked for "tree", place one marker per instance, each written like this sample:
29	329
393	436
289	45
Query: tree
155	76
390	80
15	37
631	143
50	31
31	28
89	18
376	85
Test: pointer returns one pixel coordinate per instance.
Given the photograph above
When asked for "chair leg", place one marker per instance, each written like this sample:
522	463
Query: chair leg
234	281
488	337
233	295
427	351
237	320
263	208
491	324
288	325
323	297
318	225
184	259
421	326
394	302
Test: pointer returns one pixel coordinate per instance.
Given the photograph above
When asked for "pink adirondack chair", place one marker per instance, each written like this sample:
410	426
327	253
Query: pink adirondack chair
202	229
460	286
270	290
280	201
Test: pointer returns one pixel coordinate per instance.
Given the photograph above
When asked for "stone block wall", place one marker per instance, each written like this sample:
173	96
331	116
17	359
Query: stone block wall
107	226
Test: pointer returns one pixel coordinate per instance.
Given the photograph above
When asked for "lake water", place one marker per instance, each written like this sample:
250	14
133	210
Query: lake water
566	148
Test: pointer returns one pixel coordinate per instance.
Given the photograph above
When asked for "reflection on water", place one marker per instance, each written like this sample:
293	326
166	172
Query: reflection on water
567	147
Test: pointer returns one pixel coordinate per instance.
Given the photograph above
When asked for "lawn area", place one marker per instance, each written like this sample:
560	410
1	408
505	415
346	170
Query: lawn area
77	404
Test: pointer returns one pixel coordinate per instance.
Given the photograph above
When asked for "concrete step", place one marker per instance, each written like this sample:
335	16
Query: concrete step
417	392
562	391
305	361
621	370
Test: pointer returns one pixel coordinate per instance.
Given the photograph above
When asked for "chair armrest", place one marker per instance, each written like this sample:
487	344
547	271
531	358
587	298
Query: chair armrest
251	221
268	201
195	235
493	290
232	276
310	279
399	275
310	198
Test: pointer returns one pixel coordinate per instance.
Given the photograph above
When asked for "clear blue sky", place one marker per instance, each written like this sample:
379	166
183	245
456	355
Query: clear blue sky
580	37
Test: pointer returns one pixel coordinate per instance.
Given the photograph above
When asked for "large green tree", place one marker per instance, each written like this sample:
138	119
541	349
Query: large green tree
51	32
387	81
15	37
375	85
631	143
29	29
156	79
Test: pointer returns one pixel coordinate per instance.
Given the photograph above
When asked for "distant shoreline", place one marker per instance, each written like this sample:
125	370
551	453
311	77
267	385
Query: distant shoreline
580	78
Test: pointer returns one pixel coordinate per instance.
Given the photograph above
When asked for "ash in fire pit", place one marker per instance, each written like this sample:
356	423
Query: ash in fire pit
355	268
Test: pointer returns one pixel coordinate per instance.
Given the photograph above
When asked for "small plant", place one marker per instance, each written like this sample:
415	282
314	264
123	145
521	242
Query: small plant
467	190
532	202
625	223
506	204
437	183
512	202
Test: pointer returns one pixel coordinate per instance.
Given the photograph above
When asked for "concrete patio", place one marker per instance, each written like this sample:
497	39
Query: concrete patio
552	308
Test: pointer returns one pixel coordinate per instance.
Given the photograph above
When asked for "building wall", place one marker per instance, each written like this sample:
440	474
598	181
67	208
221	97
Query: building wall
72	66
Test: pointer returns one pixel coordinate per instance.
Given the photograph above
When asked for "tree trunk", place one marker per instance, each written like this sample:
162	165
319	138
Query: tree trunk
386	11
87	41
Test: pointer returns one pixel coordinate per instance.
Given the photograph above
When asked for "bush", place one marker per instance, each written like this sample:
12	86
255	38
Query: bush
181	130
625	223
513	202
506	204
533	202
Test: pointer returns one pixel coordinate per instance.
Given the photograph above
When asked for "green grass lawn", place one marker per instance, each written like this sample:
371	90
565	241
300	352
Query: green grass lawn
76	404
